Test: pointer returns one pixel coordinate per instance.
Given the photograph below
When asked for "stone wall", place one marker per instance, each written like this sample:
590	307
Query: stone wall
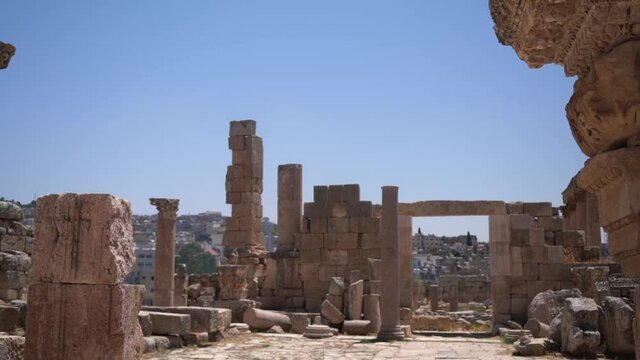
16	245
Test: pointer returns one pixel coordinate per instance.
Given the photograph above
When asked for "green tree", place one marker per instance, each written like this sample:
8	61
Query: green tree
198	261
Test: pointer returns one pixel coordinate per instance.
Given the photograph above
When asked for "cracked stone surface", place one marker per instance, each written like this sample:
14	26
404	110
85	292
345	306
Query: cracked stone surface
293	346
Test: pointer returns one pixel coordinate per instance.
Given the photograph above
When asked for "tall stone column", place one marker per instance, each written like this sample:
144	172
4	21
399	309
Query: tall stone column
165	256
79	307
243	237
390	297
289	205
405	255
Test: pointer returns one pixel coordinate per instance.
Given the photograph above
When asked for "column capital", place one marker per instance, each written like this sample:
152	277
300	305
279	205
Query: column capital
167	208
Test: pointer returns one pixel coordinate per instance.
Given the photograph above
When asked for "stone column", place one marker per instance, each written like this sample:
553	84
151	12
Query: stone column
592	221
181	282
453	297
165	256
289	205
390	297
406	258
244	186
434	297
79	307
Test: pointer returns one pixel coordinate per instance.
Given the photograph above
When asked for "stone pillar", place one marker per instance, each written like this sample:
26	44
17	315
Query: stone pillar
289	205
453	297
390	297
79	307
244	193
181	282
434	297
165	256
406	257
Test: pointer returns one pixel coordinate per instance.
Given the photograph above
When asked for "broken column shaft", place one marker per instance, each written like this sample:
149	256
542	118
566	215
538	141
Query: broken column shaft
289	205
165	256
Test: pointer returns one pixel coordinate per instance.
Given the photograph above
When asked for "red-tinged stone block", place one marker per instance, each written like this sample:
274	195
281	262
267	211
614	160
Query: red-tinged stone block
83	239
73	321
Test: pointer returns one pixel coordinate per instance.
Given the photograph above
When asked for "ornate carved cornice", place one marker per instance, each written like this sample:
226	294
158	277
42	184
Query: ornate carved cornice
603	169
6	52
572	33
167	208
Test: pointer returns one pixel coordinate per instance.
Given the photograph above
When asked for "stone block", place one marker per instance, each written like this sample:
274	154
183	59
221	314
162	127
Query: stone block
299	322
312	303
336	193
83	239
12	347
519	305
169	323
571	238
73	321
579	328
331	313
341	241
310	241
336	257
356	291
9	318
520	237
203	319
13	280
534	254
360	209
13	242
9	294
530	271
555	254
500	259
550	223
618	325
318	225
364	225
554	272
499	229
338	209
242	127
321	194
515	208
368	241
144	319
536	237
338	225
308	272
538	208
336	300
522	222
351	193
518	286
311	256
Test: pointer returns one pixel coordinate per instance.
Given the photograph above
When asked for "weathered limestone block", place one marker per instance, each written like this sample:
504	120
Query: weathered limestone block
579	327
356	290
538	329
11	347
203	319
9	211
299	322
371	309
195	338
548	304
169	323
618	325
237	307
83	239
9	318
336	300
530	347
233	282
356	327
329	312
434	297
73	321
264	319
453	208
555	329
144	319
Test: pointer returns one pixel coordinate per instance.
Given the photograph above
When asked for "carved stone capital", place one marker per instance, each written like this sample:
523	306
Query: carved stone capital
167	208
6	52
571	33
604	110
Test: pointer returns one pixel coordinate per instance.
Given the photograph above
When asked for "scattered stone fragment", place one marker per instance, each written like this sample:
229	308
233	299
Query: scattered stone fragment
329	312
580	335
538	329
317	332
275	330
356	327
265	319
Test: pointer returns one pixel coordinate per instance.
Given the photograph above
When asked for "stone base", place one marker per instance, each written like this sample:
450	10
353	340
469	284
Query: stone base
391	333
74	321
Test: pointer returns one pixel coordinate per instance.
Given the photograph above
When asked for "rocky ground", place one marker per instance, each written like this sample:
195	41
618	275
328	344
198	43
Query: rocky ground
290	346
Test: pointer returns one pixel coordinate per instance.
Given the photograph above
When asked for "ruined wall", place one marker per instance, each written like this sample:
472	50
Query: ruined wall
16	245
339	233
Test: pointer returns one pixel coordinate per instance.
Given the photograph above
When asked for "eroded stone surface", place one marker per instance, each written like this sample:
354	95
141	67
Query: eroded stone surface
83	239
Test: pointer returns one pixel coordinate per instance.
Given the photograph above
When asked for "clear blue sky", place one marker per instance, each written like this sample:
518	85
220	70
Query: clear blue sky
134	97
